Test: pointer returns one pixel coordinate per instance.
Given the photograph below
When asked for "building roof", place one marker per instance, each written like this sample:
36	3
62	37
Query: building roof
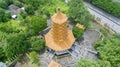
13	7
59	17
54	64
15	10
59	47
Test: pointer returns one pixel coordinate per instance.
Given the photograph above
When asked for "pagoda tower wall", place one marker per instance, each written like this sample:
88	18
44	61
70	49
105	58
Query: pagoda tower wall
59	32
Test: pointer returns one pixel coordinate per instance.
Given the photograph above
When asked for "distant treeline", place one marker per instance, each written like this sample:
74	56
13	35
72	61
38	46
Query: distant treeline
109	6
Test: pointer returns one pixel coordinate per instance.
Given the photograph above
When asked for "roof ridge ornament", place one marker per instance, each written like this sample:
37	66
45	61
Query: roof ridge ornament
59	10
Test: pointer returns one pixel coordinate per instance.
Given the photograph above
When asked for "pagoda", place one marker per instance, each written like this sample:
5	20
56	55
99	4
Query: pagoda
59	37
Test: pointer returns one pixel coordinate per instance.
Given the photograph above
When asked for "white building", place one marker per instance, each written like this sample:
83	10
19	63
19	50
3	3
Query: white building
2	64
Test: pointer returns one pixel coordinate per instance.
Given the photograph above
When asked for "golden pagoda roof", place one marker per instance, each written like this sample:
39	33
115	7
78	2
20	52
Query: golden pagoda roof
64	46
59	17
54	64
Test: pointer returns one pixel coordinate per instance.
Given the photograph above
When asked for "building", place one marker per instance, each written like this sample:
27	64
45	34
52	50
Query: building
54	64
15	10
59	38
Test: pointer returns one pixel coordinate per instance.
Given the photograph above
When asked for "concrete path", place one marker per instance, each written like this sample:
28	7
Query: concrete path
105	18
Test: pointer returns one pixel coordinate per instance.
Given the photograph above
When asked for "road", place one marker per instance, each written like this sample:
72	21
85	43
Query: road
105	18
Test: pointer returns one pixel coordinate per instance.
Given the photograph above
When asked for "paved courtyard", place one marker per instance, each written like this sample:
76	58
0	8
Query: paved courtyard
86	51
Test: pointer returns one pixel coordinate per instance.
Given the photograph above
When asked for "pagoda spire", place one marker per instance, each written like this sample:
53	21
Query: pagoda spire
59	10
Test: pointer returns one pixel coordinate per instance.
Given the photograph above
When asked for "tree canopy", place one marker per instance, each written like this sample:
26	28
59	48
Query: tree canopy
4	15
77	32
16	44
50	7
37	43
109	50
90	63
108	5
36	24
3	4
79	13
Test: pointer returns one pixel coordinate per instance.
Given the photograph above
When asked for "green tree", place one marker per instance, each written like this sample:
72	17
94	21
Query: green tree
12	27
3	35
79	13
4	16
2	54
1	14
37	43
109	50
16	44
109	6
4	27
3	4
9	2
36	24
23	14
29	9
17	3
35	3
51	7
20	18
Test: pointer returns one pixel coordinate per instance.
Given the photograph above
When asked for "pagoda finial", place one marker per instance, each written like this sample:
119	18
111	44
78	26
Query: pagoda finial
58	9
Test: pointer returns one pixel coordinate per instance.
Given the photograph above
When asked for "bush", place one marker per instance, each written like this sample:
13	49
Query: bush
109	50
37	43
2	54
23	14
78	12
86	63
4	16
1	14
103	63
29	9
109	6
34	58
89	63
6	28
77	32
